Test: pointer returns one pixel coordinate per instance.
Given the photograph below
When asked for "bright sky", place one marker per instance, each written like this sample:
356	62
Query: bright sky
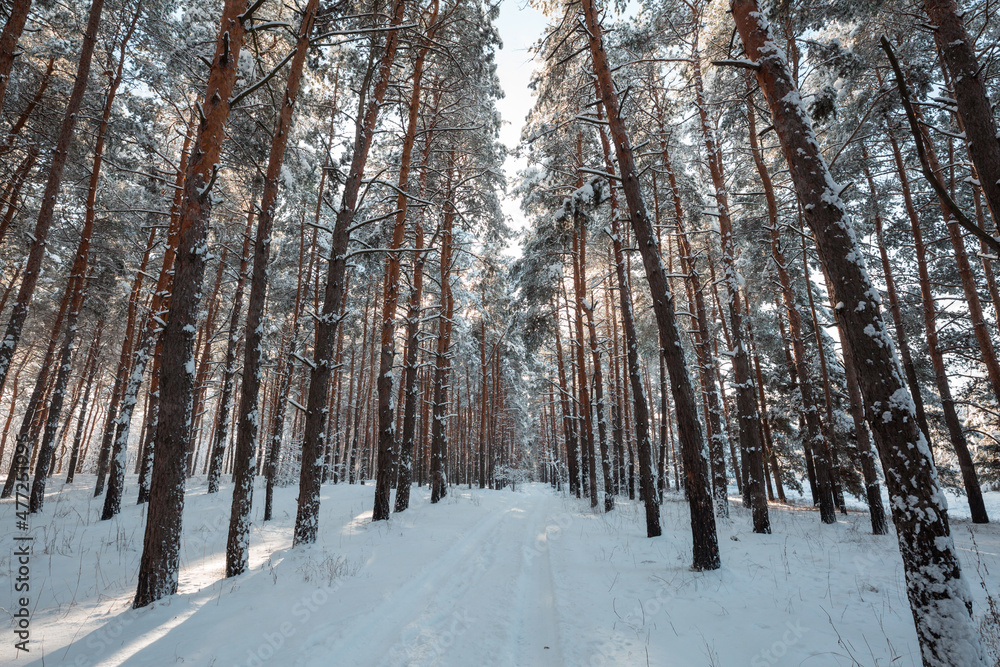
520	27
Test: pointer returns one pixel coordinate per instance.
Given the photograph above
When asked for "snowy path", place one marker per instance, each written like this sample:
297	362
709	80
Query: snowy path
526	578
432	614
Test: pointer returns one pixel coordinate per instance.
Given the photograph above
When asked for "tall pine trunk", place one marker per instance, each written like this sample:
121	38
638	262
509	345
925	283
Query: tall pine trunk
442	358
953	422
60	156
411	368
387	454
244	463
810	410
748	419
939	596
328	320
706	357
693	449
159	563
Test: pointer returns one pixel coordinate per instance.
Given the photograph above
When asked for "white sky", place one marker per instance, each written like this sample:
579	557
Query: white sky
520	27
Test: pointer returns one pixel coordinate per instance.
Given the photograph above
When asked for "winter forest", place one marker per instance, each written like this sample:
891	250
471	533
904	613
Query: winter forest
500	332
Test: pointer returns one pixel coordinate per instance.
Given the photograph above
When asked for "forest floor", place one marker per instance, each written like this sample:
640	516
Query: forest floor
525	577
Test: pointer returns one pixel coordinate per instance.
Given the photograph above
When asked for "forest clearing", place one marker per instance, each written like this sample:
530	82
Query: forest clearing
513	332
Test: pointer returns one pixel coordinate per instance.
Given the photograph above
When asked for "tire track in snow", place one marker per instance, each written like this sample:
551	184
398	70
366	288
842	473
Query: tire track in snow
394	632
537	640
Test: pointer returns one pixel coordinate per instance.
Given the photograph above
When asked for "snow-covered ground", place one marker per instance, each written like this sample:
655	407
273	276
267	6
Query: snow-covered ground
525	577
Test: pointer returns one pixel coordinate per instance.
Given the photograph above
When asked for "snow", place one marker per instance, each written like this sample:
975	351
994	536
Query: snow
525	577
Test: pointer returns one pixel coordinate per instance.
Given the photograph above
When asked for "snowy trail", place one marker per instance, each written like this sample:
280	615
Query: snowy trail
525	577
538	627
430	617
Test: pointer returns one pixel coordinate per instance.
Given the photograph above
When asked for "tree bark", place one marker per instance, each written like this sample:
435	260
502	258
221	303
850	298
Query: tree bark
694	451
161	546
33	266
313	445
902	340
8	42
956	433
24	444
958	54
748	418
411	368
78	286
706	358
939	596
867	455
387	454
244	463
579	297
442	360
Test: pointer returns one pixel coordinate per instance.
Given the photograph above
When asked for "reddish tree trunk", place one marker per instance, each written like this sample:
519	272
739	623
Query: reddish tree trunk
411	368
313	445
939	597
387	454
244	464
956	432
706	358
706	547
33	266
161	546
958	54
746	397
8	41
442	360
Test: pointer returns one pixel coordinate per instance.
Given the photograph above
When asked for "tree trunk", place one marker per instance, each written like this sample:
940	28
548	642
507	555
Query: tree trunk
902	340
442	361
24	444
33	266
645	445
77	284
569	416
161	546
958	54
244	463
867	455
939	597
313	445
693	449
979	326
229	369
814	440
830	452
579	294
387	352
201	378
706	358
13	193
10	417
746	397
405	477
284	386
956	433
8	42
